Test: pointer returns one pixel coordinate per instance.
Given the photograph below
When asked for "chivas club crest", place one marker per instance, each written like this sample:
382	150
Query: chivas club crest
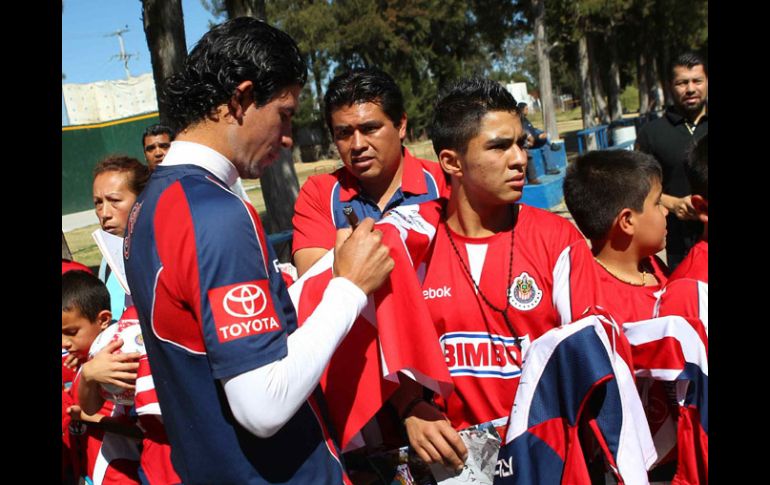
524	293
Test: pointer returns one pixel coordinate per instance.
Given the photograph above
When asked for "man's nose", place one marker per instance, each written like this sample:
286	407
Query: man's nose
359	141
518	158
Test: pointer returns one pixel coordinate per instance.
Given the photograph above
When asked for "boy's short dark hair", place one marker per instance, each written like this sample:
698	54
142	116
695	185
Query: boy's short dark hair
85	293
601	183
459	109
697	167
234	51
138	173
364	85
158	129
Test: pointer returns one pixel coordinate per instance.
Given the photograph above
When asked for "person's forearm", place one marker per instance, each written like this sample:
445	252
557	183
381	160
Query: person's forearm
264	399
88	396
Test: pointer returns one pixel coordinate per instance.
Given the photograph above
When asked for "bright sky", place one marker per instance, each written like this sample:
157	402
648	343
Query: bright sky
88	49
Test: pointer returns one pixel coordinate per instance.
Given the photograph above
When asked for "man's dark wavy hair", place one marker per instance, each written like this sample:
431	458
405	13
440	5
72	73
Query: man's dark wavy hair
240	49
364	85
460	107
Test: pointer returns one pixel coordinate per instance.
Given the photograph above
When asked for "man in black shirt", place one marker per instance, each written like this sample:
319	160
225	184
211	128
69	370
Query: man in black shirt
669	140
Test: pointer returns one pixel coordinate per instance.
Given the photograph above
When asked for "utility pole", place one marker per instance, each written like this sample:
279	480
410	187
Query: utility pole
122	56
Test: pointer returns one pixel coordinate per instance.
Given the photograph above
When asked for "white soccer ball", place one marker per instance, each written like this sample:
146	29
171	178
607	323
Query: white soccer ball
131	334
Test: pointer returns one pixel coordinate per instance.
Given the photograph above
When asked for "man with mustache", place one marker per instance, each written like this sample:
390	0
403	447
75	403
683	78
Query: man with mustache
669	140
365	113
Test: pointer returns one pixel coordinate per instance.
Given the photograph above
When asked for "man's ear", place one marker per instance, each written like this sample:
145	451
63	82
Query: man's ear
103	319
450	162
626	221
402	127
240	100
701	206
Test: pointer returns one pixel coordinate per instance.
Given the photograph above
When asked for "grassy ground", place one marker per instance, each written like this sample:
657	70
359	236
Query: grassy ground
85	251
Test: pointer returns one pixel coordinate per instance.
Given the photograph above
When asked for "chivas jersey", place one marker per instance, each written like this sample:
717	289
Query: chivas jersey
213	305
479	348
695	265
675	349
318	210
577	376
626	302
687	298
110	458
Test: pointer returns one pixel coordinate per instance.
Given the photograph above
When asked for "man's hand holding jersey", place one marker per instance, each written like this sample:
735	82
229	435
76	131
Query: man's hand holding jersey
265	398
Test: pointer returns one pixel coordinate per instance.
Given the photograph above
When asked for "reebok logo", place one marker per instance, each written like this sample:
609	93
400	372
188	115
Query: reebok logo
430	293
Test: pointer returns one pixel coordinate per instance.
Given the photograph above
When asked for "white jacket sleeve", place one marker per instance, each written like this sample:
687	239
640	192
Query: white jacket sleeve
264	399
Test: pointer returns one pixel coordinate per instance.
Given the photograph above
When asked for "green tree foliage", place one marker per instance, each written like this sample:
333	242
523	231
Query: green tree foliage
423	44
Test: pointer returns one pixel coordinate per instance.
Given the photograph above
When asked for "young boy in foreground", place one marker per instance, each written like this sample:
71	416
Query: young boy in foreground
104	443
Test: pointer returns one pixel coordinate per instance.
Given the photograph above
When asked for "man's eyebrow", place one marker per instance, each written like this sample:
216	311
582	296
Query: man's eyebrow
498	141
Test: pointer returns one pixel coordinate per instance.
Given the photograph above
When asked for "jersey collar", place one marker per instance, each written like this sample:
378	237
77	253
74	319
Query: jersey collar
412	179
191	153
673	115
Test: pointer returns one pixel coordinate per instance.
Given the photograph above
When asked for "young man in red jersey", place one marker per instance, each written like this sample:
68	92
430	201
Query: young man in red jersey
499	273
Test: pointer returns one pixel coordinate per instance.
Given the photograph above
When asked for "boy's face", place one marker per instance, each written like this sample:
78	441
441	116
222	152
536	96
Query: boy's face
494	163
651	229
78	332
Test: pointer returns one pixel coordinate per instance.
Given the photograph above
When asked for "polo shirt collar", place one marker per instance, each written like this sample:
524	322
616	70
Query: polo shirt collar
412	179
676	118
191	153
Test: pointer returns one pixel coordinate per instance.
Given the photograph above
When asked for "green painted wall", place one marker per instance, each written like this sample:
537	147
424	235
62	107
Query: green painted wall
83	146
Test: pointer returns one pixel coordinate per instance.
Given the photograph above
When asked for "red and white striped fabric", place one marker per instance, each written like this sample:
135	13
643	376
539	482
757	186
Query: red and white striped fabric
687	298
675	349
394	332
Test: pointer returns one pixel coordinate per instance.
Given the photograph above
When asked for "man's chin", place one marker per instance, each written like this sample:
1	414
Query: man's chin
692	109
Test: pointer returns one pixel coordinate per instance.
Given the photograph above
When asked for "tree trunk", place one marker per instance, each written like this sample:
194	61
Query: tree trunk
246	8
656	84
664	74
598	85
616	107
641	80
317	75
164	30
544	70
279	190
586	93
